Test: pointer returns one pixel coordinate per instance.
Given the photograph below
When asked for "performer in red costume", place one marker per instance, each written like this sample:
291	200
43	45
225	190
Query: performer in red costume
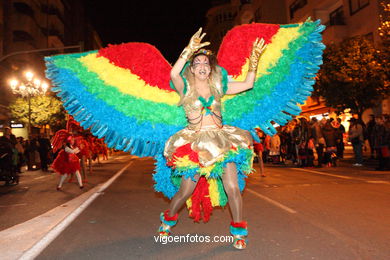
67	162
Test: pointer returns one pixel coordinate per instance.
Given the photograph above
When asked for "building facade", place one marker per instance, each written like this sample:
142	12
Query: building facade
224	15
343	19
28	27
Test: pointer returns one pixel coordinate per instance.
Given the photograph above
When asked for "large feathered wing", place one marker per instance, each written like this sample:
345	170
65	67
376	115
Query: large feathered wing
121	93
284	77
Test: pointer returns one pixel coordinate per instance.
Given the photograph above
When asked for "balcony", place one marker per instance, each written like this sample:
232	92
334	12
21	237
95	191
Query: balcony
52	10
54	35
55	41
21	22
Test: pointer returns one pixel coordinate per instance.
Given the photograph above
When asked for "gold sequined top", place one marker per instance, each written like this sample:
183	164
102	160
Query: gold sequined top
197	108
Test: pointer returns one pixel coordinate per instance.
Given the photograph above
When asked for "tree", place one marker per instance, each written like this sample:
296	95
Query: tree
45	110
354	75
384	22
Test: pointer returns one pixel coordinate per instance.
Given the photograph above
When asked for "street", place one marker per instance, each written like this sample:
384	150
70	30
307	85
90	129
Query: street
293	213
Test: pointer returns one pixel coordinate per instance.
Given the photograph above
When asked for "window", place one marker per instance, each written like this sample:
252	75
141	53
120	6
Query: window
337	17
24	8
258	14
295	6
356	5
21	36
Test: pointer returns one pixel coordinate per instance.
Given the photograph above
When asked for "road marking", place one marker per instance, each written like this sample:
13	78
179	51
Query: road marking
323	173
37	178
289	210
35	250
379	182
340	176
13	205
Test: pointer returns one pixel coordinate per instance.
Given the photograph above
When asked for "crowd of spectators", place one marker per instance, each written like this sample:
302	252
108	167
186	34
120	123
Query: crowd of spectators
319	143
35	153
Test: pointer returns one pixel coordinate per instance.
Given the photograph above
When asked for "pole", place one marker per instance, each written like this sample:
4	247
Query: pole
41	50
29	115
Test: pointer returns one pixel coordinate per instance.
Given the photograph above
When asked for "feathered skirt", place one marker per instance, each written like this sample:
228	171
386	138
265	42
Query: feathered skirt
205	152
66	163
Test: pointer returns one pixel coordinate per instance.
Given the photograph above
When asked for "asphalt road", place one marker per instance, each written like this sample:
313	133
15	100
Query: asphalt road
37	194
330	213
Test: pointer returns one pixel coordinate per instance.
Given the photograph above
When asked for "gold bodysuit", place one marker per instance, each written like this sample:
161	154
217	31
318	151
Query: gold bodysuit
212	141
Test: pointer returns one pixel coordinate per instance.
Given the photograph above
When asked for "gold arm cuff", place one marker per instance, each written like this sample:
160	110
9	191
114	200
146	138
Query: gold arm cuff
253	65
186	54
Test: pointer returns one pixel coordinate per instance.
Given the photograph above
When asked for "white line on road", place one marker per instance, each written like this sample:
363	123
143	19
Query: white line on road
379	182
13	205
340	176
323	173
277	204
56	231
41	177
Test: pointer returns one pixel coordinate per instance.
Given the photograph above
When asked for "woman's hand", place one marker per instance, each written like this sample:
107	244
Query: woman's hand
238	87
194	45
257	49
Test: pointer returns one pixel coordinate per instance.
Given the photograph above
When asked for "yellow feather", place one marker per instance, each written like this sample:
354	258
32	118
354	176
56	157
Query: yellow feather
271	55
126	82
213	191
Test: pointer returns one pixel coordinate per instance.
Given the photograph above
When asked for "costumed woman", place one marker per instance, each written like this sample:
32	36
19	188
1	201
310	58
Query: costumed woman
67	162
212	145
122	93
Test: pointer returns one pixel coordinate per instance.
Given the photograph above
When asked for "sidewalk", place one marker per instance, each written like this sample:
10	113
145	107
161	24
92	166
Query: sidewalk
17	239
369	164
345	166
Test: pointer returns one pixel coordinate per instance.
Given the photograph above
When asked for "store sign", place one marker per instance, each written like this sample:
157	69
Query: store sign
17	125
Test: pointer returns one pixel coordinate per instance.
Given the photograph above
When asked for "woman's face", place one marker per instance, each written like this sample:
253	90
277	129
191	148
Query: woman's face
201	67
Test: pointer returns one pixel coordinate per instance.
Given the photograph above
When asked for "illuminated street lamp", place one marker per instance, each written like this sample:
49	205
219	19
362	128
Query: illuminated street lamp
28	88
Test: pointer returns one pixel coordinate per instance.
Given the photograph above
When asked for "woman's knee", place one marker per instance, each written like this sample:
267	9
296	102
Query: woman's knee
187	186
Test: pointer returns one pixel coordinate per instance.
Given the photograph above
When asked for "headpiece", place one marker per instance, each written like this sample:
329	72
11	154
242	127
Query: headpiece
203	51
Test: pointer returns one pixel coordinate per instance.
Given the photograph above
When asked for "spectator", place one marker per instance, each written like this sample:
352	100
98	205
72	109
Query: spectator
259	148
310	152
356	137
284	139
275	148
31	152
340	130
19	146
9	155
44	147
330	136
295	140
370	128
267	148
381	143
318	140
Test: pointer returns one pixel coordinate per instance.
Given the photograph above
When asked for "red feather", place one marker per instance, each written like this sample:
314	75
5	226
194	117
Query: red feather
237	44
242	224
201	201
59	139
143	60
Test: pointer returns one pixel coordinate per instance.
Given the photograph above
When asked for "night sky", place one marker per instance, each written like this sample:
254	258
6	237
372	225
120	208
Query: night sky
166	24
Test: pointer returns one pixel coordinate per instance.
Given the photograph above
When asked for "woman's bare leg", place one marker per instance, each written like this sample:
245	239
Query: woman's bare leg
230	183
187	186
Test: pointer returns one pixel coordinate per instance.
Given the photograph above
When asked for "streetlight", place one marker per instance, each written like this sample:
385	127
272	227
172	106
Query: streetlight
28	87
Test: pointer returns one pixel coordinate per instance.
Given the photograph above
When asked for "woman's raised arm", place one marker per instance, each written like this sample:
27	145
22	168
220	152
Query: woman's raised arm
194	45
238	87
